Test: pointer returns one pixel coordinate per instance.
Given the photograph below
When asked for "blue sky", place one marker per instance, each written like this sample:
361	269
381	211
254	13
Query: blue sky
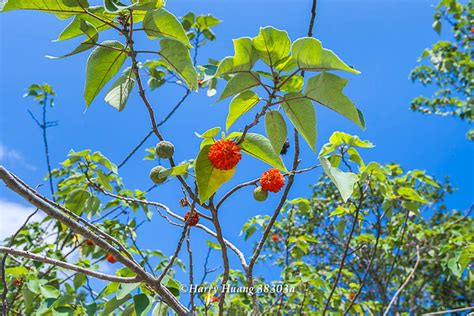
382	39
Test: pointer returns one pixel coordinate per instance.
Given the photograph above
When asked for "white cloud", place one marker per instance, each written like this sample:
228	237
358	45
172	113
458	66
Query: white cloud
12	156
13	215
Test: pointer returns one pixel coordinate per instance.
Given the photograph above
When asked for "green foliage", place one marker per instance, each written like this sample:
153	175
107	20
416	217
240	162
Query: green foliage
448	64
397	211
208	178
276	130
103	64
162	24
241	104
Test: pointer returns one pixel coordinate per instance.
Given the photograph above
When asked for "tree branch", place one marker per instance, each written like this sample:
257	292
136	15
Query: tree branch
69	266
406	281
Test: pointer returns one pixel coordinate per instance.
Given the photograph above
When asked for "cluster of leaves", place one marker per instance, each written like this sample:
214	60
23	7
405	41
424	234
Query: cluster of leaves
285	91
396	211
89	186
449	65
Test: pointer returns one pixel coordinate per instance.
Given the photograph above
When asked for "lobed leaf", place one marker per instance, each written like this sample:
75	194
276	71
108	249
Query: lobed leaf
326	89
310	55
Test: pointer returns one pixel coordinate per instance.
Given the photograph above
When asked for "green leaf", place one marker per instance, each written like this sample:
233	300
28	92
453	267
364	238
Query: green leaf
241	104
213	245
147	5
341	225
411	194
113	304
73	29
301	113
92	36
338	138
49	291
176	55
61	8
310	55
120	90
103	63
259	146
76	200
209	179
92	205
344	181
245	57
114	6
162	24
293	84
206	21
125	288
17	271
239	83
272	45
210	133
327	89
276	130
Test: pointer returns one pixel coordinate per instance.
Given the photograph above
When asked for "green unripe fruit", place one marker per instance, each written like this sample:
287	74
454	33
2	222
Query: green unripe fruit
260	194
155	175
164	149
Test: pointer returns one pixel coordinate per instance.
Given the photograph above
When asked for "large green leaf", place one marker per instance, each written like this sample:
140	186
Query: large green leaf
245	57
276	130
301	113
49	291
239	83
61	8
344	181
209	179
241	104
326	88
161	23
260	147
310	55
272	45
142	304
103	63
176	55
92	35
125	288
76	200
118	94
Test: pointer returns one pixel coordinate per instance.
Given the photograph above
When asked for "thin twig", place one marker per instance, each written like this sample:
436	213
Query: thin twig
412	273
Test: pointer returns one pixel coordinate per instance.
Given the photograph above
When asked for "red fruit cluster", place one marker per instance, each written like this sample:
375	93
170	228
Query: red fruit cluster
272	180
89	242
193	220
215	299
18	282
111	258
275	238
224	154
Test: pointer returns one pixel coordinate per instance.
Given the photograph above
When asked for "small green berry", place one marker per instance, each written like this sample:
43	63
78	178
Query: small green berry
155	174
260	194
164	149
